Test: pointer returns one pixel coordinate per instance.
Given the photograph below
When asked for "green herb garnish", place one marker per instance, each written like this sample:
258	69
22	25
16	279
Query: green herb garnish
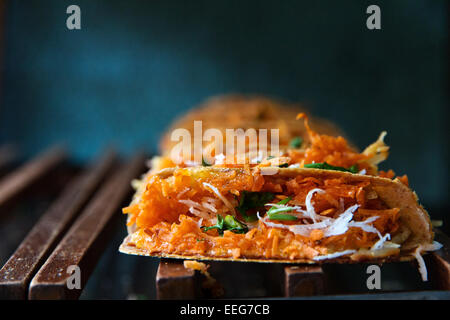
354	168
326	166
252	200
278	216
229	223
274	212
234	225
296	142
285	200
218	225
284	165
278	210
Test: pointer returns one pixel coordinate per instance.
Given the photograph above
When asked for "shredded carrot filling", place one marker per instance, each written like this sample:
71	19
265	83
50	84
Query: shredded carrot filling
171	213
323	148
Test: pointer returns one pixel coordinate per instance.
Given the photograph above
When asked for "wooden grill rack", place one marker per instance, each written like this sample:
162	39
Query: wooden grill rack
75	227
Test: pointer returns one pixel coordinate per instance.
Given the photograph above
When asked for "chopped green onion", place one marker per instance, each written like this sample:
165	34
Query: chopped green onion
218	225
252	200
277	216
274	209
284	201
296	142
232	224
354	168
229	223
277	210
326	166
274	212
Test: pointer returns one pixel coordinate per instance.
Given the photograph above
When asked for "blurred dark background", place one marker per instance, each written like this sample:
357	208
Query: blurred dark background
135	65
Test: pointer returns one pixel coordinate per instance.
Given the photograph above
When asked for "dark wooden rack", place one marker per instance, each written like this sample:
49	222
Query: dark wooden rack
79	225
173	281
71	231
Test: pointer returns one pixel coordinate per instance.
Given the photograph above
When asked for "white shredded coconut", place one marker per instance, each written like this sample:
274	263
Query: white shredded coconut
380	243
334	255
220	196
197	209
341	224
432	247
190	163
421	262
190	203
209	206
328	225
179	195
220	159
305	229
258	159
417	254
365	225
309	207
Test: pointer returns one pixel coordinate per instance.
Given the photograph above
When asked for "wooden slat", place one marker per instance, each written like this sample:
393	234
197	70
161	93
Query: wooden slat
29	256
304	281
17	181
81	245
440	269
174	281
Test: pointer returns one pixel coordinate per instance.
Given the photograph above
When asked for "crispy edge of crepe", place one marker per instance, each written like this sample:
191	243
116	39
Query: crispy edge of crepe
393	192
128	247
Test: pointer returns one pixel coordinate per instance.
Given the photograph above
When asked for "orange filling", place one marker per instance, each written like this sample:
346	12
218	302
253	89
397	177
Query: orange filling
166	225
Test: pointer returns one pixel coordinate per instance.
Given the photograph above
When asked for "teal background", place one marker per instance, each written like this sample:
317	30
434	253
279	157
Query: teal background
135	65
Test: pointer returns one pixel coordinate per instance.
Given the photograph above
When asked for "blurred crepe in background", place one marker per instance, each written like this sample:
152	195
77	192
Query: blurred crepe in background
245	112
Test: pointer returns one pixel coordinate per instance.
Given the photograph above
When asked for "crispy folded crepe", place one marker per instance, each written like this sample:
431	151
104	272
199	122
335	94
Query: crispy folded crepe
322	202
295	216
